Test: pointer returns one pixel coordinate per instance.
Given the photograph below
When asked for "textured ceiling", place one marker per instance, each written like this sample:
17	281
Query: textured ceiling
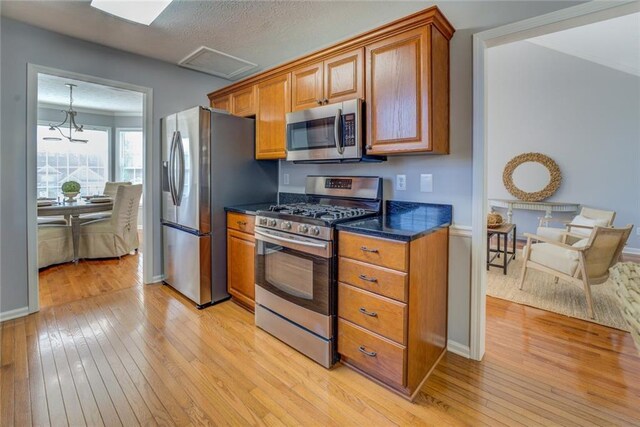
263	32
614	43
52	92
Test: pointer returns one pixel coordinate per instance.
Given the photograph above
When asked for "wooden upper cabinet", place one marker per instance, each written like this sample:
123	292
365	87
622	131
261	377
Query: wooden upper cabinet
307	87
343	76
274	102
401	91
243	102
221	103
335	79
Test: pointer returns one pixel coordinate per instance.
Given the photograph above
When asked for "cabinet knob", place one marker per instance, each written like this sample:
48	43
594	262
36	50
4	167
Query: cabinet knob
368	147
319	102
325	101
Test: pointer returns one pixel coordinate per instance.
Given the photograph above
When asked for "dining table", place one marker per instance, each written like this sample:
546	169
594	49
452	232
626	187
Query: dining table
72	211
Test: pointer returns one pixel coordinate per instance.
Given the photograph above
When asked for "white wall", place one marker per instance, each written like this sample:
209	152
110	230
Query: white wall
174	89
583	115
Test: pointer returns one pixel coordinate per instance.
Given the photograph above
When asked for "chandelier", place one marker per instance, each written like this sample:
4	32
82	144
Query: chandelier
69	120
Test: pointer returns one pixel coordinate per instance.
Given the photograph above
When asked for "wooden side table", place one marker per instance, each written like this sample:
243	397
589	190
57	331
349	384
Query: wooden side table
502	234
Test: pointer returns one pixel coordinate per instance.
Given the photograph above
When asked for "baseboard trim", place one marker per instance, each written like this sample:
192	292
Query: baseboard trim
459	349
631	251
14	314
156	279
460	230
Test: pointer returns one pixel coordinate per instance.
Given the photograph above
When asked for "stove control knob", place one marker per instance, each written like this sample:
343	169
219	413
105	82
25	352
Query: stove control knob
303	228
263	221
286	225
315	231
272	223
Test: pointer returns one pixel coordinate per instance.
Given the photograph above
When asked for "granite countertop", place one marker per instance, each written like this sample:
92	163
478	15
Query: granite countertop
403	221
249	209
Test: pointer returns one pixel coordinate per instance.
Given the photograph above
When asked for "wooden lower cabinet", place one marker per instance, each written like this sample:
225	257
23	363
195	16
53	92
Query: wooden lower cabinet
392	325
241	259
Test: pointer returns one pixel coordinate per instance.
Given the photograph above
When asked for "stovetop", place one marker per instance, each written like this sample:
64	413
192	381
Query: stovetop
327	213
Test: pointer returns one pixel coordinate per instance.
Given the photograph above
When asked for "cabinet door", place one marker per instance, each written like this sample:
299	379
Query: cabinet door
343	76
240	267
274	102
221	103
306	87
243	102
397	89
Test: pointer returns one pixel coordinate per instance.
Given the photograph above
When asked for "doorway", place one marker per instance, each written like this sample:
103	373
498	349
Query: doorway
94	135
562	20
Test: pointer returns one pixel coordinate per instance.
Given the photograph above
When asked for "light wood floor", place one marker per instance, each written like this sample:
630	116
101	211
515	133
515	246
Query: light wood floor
144	355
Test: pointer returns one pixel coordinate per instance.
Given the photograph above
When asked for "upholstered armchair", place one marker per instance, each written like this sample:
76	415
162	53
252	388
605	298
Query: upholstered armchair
580	226
115	236
55	245
584	263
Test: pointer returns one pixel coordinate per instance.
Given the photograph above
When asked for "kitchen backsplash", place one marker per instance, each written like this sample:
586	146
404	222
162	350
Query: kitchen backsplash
450	179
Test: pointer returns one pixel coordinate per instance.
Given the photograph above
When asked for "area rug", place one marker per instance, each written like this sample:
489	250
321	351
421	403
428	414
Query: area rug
539	291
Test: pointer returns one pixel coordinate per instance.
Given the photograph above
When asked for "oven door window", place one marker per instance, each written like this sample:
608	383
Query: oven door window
311	135
295	276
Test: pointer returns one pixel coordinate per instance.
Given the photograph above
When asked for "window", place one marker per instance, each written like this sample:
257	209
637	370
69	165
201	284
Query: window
130	154
61	161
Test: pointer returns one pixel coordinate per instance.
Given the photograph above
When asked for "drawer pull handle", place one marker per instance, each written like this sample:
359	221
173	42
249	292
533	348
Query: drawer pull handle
368	313
366	249
368	353
368	279
241	223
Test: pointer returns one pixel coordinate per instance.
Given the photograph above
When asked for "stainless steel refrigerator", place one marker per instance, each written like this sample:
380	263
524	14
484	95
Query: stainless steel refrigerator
207	164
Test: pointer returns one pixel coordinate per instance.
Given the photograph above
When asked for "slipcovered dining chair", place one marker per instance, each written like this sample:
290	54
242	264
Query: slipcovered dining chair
55	245
115	236
581	225
110	189
584	263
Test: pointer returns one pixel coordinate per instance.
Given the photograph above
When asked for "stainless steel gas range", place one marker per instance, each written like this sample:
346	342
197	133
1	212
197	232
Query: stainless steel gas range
296	261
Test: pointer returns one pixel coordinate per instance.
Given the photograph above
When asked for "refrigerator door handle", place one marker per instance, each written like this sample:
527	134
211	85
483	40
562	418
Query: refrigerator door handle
171	169
179	188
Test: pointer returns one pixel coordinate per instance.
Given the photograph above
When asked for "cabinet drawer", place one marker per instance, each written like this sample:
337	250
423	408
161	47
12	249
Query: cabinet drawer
379	280
241	222
378	314
383	252
375	355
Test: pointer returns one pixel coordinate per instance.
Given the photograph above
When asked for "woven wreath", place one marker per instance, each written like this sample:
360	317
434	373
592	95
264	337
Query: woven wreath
555	177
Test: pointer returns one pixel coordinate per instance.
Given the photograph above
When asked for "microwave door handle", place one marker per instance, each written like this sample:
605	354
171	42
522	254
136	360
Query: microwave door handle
284	239
337	131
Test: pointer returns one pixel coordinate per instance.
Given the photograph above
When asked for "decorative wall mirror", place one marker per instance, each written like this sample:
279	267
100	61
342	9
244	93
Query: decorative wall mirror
537	176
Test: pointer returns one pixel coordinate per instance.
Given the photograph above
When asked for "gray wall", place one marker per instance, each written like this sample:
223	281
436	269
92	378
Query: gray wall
174	89
583	115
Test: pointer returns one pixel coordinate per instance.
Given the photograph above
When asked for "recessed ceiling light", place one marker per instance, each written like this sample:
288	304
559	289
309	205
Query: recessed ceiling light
140	11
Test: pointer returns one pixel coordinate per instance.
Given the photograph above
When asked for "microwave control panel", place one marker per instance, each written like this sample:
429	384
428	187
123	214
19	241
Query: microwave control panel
349	130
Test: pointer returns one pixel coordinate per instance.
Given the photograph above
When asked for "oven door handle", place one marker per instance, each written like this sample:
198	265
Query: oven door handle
297	242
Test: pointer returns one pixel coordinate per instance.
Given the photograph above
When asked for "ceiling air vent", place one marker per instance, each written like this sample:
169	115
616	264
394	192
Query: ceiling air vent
218	63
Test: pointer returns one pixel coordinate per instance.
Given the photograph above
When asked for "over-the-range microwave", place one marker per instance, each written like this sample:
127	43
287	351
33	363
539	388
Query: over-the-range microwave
331	133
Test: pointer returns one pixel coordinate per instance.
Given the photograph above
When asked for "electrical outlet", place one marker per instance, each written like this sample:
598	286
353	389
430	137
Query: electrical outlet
426	183
285	179
401	182
638	231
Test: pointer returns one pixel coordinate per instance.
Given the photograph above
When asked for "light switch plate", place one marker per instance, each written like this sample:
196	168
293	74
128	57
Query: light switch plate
285	179
638	230
401	182
426	182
